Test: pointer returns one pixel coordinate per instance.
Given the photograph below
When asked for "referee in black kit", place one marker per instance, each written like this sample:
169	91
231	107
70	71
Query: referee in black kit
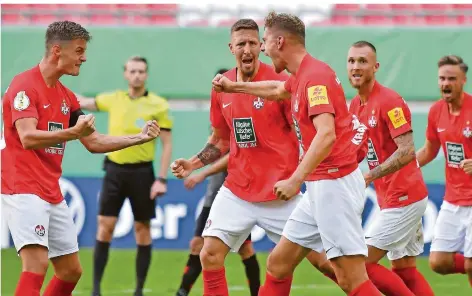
129	172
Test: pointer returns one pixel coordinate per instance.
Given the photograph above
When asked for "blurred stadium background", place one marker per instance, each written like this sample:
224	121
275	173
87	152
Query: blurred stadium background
185	44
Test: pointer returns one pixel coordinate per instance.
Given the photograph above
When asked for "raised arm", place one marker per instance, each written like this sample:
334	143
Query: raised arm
271	90
100	143
216	147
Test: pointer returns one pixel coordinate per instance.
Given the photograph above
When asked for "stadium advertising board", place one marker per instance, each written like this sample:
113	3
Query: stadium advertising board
176	214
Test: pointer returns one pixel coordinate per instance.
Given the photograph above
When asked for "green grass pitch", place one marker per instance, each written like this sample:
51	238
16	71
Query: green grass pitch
167	266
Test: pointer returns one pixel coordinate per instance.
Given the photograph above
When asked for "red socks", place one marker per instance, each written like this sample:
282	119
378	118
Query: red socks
387	281
276	287
214	283
459	263
415	281
29	284
57	287
367	288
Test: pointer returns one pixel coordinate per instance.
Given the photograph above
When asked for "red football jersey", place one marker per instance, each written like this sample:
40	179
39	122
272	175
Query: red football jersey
315	90
388	116
34	171
263	147
455	135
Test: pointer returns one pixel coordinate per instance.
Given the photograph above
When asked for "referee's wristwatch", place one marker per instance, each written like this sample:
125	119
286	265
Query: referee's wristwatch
162	180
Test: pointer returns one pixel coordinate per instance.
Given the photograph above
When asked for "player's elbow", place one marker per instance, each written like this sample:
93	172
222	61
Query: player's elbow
329	136
27	141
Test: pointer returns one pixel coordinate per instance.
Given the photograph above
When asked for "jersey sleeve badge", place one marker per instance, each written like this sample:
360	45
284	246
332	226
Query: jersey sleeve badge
21	101
397	117
318	95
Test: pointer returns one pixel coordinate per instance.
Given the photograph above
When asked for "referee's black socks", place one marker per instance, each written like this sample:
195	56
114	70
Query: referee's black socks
191	273
143	260
253	274
100	258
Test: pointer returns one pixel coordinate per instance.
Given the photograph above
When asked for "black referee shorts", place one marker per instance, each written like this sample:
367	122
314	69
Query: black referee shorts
133	181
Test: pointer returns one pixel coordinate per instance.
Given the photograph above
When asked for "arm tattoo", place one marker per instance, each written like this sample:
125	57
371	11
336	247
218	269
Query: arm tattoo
209	154
404	154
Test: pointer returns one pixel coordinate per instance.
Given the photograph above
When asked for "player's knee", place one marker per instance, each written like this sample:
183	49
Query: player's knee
71	273
278	267
142	232
441	264
35	259
106	226
246	251
211	257
196	245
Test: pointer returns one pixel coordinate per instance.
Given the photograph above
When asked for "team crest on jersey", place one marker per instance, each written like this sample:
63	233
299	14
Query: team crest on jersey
467	132
40	230
21	101
258	103
64	108
372	121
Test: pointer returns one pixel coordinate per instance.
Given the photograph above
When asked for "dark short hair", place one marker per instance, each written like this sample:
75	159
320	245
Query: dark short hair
65	31
221	71
138	59
244	24
286	22
454	61
363	43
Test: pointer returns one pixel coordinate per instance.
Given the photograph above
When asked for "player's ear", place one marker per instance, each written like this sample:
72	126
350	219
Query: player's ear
231	48
376	67
280	42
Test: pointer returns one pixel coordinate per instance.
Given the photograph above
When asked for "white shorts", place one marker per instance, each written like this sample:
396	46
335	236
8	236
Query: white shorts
33	221
453	230
231	219
399	230
331	215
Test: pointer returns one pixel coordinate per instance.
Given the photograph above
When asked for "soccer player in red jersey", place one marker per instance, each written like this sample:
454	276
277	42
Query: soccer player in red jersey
262	150
40	115
450	127
329	215
401	191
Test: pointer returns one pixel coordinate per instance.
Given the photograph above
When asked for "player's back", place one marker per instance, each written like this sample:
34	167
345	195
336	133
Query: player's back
34	171
263	147
316	89
455	135
388	116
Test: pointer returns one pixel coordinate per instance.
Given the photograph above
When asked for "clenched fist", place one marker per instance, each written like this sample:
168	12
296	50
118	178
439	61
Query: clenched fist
150	131
181	168
222	84
85	125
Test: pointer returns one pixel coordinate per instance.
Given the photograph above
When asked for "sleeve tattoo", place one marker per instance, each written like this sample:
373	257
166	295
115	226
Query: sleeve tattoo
404	154
209	154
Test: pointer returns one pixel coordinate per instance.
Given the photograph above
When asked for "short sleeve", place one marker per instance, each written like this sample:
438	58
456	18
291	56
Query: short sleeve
75	105
104	101
23	103
397	116
431	128
164	118
320	93
216	115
